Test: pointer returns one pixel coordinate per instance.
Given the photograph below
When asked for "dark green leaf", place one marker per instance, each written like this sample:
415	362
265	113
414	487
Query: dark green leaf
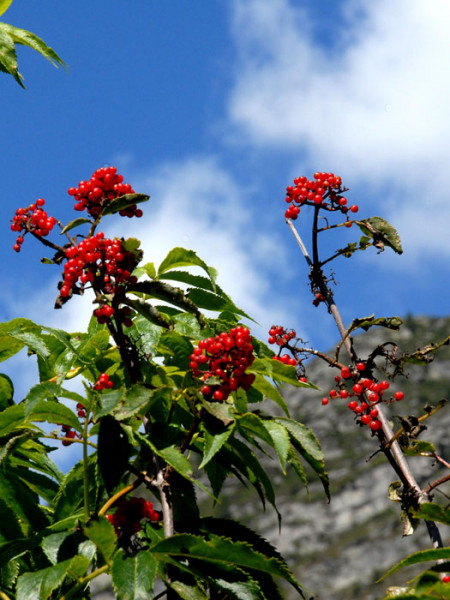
280	439
41	391
136	400
180	257
8	57
149	312
221	551
419	448
216	434
419	557
134	576
269	391
102	533
41	584
76	223
188	592
209	301
123	202
306	443
109	400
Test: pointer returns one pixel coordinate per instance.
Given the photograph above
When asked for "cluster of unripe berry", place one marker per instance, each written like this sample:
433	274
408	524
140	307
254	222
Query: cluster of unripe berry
103	383
221	363
364	394
31	218
325	190
104	186
105	264
129	514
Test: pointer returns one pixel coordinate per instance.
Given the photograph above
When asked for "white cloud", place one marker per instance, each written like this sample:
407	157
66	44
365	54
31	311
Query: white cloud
370	102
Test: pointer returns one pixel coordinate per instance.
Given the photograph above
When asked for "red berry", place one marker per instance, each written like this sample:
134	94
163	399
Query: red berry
360	366
399	395
325	401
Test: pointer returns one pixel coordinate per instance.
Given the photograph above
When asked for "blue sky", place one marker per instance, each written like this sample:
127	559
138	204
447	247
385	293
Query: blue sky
213	112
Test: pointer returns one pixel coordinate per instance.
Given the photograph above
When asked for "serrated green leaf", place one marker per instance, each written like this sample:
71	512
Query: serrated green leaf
147	269
8	56
382	233
75	223
306	443
101	532
40	391
134	576
216	435
269	391
41	584
221	410
209	301
6	391
280	438
188	592
71	492
221	551
434	512
9	346
51	545
53	412
180	257
419	557
149	312
11	418
40	484
192	280
135	401
252	424
109	400
177	348
123	202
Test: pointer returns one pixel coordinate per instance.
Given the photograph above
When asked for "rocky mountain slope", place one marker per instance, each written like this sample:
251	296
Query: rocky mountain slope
339	549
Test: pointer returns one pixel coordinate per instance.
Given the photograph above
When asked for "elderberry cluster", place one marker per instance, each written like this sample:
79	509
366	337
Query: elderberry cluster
221	363
366	394
31	219
103	383
129	514
105	264
281	337
104	186
325	190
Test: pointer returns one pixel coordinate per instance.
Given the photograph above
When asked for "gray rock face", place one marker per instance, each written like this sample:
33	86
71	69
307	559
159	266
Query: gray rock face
339	549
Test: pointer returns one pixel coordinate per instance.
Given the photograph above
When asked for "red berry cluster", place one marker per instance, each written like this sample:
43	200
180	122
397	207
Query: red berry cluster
127	518
31	218
279	335
318	298
224	359
325	190
106	265
104	185
68	432
366	394
103	382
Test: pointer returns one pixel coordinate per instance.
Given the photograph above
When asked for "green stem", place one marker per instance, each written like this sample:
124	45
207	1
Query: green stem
75	590
85	468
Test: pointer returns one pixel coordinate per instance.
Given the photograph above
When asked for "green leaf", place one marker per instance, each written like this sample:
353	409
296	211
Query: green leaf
419	448
8	56
434	512
133	577
75	223
41	391
11	418
70	496
295	462
6	391
4	5
109	400
193	280
123	202
306	443
209	301
216	435
54	412
188	592
180	257
280	438
102	533
149	312
177	348
269	391
136	400
41	584
419	557
251	425
148	269
382	233
221	552
220	410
